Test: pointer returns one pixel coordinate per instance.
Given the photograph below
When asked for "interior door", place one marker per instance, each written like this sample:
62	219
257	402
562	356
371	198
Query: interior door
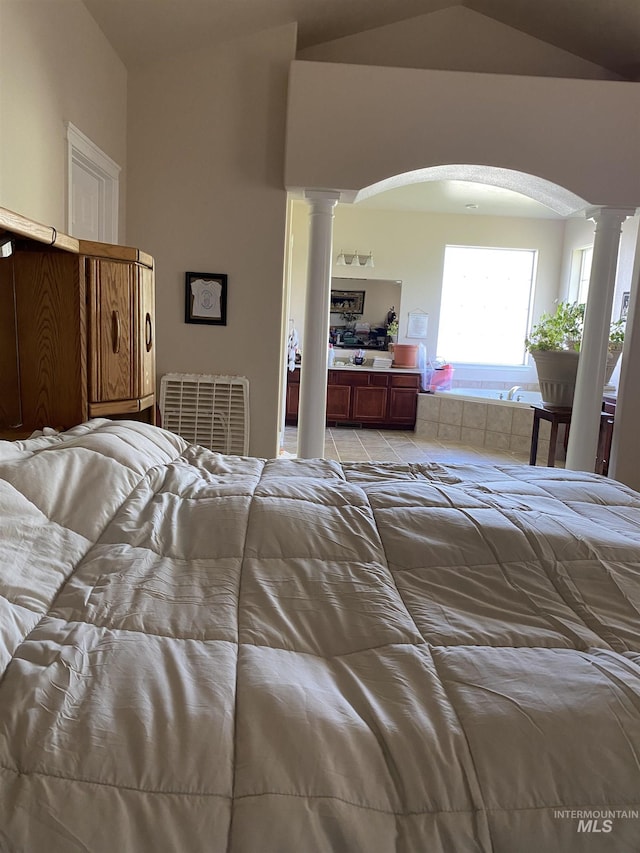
86	203
92	189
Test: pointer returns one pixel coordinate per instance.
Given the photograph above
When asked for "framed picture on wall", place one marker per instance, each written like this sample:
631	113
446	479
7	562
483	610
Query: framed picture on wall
624	308
347	301
206	298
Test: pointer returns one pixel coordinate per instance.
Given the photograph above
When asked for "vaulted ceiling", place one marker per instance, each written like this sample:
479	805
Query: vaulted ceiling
606	32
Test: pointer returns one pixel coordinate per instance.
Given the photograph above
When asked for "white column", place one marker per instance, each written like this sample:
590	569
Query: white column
313	376
624	464
587	401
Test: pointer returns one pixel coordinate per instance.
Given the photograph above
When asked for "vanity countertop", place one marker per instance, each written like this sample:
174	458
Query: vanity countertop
363	368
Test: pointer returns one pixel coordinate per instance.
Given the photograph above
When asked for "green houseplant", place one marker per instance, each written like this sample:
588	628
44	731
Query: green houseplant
554	343
558	332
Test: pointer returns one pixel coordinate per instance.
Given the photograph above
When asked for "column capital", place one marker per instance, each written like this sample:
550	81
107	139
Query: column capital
610	215
330	197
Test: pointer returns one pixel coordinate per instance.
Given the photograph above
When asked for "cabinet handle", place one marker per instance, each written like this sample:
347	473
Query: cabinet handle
148	332
115	330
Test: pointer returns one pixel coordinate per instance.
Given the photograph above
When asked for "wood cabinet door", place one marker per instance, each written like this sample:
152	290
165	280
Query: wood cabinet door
370	403
145	318
293	399
45	306
338	402
403	404
113	368
10	402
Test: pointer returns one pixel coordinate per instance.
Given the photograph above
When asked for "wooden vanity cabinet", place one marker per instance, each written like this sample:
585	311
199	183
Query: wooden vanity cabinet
387	400
339	402
403	399
293	396
371	401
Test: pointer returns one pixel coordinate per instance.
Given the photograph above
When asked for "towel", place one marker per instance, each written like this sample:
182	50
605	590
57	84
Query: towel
292	348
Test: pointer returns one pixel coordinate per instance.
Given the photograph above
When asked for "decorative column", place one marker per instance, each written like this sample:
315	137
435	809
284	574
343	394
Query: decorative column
587	401
624	462
313	376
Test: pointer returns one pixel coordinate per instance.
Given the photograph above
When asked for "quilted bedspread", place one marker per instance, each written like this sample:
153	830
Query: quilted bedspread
213	654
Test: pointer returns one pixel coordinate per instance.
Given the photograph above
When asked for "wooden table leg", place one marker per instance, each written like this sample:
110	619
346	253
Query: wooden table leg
553	440
533	453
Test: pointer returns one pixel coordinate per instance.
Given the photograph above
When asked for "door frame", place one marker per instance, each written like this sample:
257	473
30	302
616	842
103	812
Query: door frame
85	154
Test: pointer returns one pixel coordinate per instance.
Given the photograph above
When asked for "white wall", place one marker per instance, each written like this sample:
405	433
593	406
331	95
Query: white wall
457	39
410	246
55	66
206	194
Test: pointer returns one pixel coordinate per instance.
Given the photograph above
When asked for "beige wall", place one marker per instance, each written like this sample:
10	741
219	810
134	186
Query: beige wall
410	246
457	39
206	194
410	119
55	66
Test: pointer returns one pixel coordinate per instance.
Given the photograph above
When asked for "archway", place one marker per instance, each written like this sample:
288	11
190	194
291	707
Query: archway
556	198
561	201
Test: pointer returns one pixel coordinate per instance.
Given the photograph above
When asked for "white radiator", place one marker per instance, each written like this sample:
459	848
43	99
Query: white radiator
206	409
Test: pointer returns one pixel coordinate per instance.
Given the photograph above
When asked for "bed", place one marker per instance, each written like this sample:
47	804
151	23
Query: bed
226	654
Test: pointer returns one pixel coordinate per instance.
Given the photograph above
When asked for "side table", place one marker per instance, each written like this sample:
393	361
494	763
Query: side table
556	417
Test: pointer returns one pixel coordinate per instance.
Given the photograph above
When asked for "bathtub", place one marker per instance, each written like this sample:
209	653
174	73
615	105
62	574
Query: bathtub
480	395
477	417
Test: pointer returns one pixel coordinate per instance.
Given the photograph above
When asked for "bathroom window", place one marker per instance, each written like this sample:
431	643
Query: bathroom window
585	257
486	301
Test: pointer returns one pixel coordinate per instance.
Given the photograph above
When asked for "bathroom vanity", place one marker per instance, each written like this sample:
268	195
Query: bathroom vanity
382	398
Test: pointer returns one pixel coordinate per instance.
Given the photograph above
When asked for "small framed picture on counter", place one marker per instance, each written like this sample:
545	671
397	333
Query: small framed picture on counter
206	298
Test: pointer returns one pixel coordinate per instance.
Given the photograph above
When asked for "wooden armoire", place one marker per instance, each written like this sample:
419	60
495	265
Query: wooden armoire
77	332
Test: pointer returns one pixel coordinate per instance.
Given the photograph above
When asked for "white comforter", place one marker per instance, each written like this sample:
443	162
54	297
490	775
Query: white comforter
232	655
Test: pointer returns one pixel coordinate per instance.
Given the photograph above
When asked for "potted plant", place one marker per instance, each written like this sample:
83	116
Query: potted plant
616	340
554	344
392	330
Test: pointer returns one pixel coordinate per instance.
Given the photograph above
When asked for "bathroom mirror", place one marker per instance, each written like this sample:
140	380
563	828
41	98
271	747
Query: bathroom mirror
365	327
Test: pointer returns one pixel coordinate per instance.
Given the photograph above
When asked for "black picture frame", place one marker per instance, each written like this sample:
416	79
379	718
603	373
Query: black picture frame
205	298
624	308
347	301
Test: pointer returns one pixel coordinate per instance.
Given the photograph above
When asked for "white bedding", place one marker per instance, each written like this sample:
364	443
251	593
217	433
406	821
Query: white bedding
232	655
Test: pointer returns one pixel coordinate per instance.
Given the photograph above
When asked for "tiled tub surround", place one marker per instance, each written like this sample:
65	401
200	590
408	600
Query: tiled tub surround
481	394
490	423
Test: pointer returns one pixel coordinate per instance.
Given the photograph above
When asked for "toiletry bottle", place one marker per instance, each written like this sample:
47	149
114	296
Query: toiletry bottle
331	356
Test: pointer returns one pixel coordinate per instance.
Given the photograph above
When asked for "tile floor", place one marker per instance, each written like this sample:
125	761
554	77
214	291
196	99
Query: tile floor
347	444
